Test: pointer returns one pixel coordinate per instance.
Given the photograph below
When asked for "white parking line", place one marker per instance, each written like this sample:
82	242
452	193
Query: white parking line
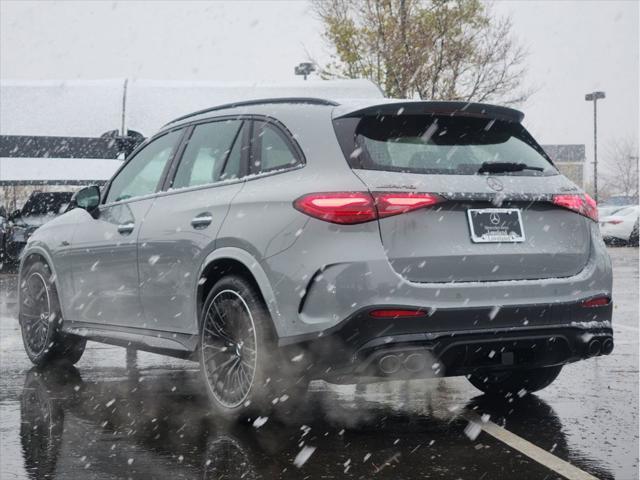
529	449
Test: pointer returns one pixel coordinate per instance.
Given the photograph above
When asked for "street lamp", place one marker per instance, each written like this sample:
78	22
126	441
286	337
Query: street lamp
594	97
305	68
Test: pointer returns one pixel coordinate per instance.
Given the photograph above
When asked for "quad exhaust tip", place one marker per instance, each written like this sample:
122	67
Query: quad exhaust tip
415	362
389	364
607	346
593	348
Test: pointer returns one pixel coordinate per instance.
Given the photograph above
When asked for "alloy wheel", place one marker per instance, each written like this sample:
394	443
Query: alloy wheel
35	312
229	348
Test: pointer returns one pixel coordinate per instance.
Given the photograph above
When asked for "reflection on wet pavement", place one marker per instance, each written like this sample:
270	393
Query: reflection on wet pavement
119	416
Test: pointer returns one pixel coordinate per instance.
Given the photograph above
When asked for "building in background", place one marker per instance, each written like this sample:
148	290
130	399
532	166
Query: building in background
570	160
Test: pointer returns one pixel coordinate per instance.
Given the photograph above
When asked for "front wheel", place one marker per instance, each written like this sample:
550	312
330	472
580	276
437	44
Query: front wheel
40	319
515	382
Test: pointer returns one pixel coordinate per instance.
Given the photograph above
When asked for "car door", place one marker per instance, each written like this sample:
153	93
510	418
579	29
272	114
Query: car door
181	227
104	249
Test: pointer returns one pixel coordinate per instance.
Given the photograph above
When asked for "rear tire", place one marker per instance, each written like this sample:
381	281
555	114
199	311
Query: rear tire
40	319
241	365
515	382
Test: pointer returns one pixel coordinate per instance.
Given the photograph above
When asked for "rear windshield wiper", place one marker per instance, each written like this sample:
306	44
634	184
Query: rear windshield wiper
497	167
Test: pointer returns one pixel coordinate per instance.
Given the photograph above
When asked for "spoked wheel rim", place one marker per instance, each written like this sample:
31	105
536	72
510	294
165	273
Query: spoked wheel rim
229	348
35	313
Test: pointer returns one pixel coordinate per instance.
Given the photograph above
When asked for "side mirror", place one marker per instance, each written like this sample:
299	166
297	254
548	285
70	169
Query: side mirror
87	198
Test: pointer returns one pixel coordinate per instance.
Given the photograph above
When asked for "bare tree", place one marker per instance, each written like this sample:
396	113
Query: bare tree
621	167
433	49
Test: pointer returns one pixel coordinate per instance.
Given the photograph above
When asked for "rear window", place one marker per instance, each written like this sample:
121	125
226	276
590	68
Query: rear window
433	144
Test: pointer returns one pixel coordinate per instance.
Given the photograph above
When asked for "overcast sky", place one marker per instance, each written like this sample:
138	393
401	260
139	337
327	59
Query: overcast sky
575	47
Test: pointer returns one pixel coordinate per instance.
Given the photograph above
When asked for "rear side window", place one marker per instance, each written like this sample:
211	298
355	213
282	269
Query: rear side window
271	148
433	144
210	155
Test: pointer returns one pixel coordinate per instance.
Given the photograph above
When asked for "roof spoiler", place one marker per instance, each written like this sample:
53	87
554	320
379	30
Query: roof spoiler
461	109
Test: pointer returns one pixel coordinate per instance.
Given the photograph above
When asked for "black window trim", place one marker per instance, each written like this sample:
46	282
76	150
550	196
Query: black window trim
175	163
105	191
245	170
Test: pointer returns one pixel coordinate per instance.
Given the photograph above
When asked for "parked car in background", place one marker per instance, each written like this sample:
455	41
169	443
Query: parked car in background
606	210
284	240
621	227
39	208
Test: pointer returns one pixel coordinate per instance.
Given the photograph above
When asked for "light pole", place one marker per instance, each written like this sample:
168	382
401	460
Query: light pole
594	97
304	69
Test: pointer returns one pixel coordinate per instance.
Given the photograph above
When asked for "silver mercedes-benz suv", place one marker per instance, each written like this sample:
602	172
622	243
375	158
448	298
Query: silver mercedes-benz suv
285	240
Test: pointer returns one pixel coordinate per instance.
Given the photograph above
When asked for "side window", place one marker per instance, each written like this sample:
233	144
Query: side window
210	154
142	173
272	148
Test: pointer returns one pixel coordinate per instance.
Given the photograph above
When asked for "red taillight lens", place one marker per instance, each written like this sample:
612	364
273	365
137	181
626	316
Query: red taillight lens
395	203
597	302
359	207
614	222
582	204
394	313
338	207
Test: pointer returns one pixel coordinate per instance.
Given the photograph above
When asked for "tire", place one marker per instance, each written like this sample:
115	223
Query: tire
240	362
40	320
514	382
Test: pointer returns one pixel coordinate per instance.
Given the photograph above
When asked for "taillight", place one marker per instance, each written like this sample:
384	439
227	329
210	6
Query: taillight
359	207
613	222
601	301
395	313
582	204
338	207
395	203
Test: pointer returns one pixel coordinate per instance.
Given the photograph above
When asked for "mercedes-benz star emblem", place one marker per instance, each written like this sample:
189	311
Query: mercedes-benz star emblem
494	218
495	184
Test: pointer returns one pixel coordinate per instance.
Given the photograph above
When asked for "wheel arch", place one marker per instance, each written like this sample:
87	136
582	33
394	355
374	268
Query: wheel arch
233	260
29	257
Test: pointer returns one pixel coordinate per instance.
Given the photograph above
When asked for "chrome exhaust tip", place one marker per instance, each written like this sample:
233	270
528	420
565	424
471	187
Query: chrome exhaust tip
415	362
593	348
389	364
607	346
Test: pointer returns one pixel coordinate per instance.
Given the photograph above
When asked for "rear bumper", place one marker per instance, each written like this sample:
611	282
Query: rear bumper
459	342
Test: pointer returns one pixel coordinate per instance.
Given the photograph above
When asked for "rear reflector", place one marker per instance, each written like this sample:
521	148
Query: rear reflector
597	302
358	207
582	204
394	313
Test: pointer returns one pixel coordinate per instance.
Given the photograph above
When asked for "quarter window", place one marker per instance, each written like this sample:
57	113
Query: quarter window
210	154
274	150
141	175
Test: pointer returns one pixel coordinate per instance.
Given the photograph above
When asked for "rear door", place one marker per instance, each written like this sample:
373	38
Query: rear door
495	220
181	228
104	251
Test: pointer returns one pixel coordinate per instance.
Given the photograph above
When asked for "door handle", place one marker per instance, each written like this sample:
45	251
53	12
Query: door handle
201	221
126	228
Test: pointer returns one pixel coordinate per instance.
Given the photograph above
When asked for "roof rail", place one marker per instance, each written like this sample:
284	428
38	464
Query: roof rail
261	101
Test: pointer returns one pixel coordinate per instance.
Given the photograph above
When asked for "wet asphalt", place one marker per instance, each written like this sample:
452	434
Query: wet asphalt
144	416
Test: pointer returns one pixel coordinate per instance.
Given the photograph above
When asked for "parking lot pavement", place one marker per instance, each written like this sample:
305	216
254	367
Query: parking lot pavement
113	417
